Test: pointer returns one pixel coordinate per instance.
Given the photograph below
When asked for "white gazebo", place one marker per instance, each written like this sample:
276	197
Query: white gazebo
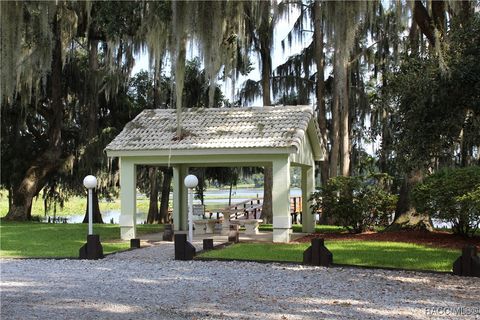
277	137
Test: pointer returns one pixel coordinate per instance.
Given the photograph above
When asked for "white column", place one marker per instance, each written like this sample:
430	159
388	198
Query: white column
90	211
177	193
282	224
183	199
190	215
180	195
308	186
128	199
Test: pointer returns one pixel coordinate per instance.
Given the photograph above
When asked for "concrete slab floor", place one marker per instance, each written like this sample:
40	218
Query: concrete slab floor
264	236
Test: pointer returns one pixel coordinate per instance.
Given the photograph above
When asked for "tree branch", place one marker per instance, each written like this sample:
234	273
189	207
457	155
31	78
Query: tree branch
438	12
362	52
424	21
293	77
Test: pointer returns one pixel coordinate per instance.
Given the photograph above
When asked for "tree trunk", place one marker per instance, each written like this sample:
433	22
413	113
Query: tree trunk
167	174
266	72
463	149
165	197
201	185
97	216
49	161
267	213
413	37
439	15
406	217
156	85
92	124
467	10
345	123
30	186
320	88
153	214
385	145
179	81
10	197
230	194
92	129
386	139
335	122
424	21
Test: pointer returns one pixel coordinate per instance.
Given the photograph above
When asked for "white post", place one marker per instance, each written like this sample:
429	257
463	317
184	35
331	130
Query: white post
90	212
190	215
282	222
128	195
308	187
90	182
190	182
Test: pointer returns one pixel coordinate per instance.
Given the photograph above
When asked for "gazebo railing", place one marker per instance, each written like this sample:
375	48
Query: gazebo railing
250	209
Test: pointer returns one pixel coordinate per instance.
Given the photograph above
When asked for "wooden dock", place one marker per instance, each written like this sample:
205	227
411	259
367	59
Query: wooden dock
252	209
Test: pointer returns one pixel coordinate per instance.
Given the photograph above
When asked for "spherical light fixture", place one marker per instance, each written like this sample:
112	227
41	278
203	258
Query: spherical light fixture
90	182
191	181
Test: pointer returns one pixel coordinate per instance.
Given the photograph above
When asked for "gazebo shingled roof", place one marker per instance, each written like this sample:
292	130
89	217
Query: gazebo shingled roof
267	127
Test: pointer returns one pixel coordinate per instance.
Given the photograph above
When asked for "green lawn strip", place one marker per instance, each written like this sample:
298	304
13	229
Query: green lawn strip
35	240
349	252
148	228
76	205
298	228
73	206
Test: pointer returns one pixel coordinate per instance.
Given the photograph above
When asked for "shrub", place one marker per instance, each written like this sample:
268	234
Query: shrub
452	195
357	203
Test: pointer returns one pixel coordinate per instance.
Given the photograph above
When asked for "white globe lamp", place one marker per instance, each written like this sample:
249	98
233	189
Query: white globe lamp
191	181
90	182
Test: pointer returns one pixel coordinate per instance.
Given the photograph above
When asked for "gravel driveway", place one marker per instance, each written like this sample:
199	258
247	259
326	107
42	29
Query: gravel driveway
148	284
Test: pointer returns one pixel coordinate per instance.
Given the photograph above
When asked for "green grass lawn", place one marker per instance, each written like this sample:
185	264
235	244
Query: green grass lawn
74	206
33	239
77	205
360	253
298	228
